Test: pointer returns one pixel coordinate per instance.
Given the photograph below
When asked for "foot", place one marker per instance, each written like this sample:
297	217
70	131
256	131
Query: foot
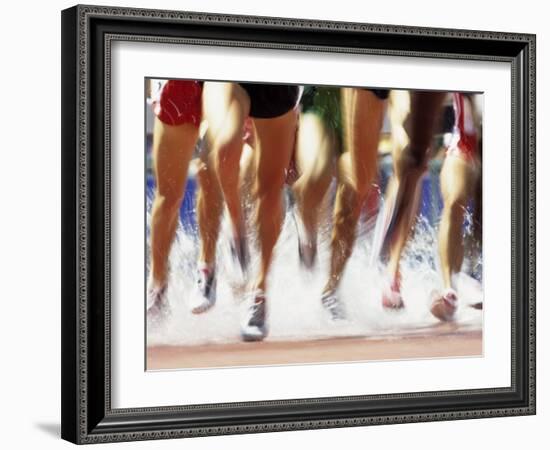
307	242
239	252
253	326
391	295
444	306
206	283
156	299
334	306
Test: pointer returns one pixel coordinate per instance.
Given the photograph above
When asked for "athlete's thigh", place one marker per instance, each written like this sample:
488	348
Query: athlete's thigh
225	107
315	144
363	121
370	114
399	107
422	120
458	177
173	147
275	142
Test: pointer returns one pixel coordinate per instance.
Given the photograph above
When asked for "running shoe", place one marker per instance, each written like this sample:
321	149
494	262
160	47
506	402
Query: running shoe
334	306
206	284
156	299
391	295
444	306
253	326
307	242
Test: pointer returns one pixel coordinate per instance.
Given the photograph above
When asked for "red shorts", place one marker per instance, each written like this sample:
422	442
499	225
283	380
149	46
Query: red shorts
465	134
179	102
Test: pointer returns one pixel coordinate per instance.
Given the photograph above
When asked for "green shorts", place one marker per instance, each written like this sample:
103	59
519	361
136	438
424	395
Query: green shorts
325	103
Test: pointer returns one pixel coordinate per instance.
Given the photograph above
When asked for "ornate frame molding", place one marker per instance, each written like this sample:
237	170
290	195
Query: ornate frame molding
80	424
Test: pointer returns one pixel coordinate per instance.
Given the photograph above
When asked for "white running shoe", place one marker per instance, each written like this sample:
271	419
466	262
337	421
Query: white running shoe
334	306
156	299
444	306
253	326
206	284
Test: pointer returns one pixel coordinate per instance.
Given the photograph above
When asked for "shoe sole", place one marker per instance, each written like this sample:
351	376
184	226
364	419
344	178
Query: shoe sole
253	338
202	308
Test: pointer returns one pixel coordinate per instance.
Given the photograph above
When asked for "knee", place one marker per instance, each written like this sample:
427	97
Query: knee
322	174
226	165
313	185
205	174
167	202
411	159
225	155
268	191
356	192
362	191
352	181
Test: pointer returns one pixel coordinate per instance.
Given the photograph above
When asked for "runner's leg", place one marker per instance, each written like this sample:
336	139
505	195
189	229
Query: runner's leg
315	152
172	150
363	113
275	141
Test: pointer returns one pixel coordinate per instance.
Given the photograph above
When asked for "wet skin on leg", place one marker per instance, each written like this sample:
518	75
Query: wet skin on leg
172	150
362	119
409	164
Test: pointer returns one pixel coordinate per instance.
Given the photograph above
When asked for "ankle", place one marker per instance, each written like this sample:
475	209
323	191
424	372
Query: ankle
206	266
156	282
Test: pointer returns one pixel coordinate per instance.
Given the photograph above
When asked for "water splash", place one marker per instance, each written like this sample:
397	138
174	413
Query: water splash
295	311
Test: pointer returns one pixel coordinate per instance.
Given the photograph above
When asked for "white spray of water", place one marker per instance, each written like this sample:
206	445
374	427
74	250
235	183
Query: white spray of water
294	307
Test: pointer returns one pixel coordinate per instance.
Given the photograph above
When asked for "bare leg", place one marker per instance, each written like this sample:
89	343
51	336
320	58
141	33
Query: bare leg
399	108
363	114
478	208
402	196
248	164
458	176
209	210
226	105
459	182
315	152
210	197
172	150
275	141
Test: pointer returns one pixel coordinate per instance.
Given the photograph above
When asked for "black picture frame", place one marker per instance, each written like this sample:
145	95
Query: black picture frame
87	33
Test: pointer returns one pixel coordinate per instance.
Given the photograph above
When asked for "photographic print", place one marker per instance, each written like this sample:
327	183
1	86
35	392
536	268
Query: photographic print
302	224
335	220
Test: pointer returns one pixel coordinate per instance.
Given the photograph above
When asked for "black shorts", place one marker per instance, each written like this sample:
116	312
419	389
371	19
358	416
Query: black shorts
382	94
271	100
